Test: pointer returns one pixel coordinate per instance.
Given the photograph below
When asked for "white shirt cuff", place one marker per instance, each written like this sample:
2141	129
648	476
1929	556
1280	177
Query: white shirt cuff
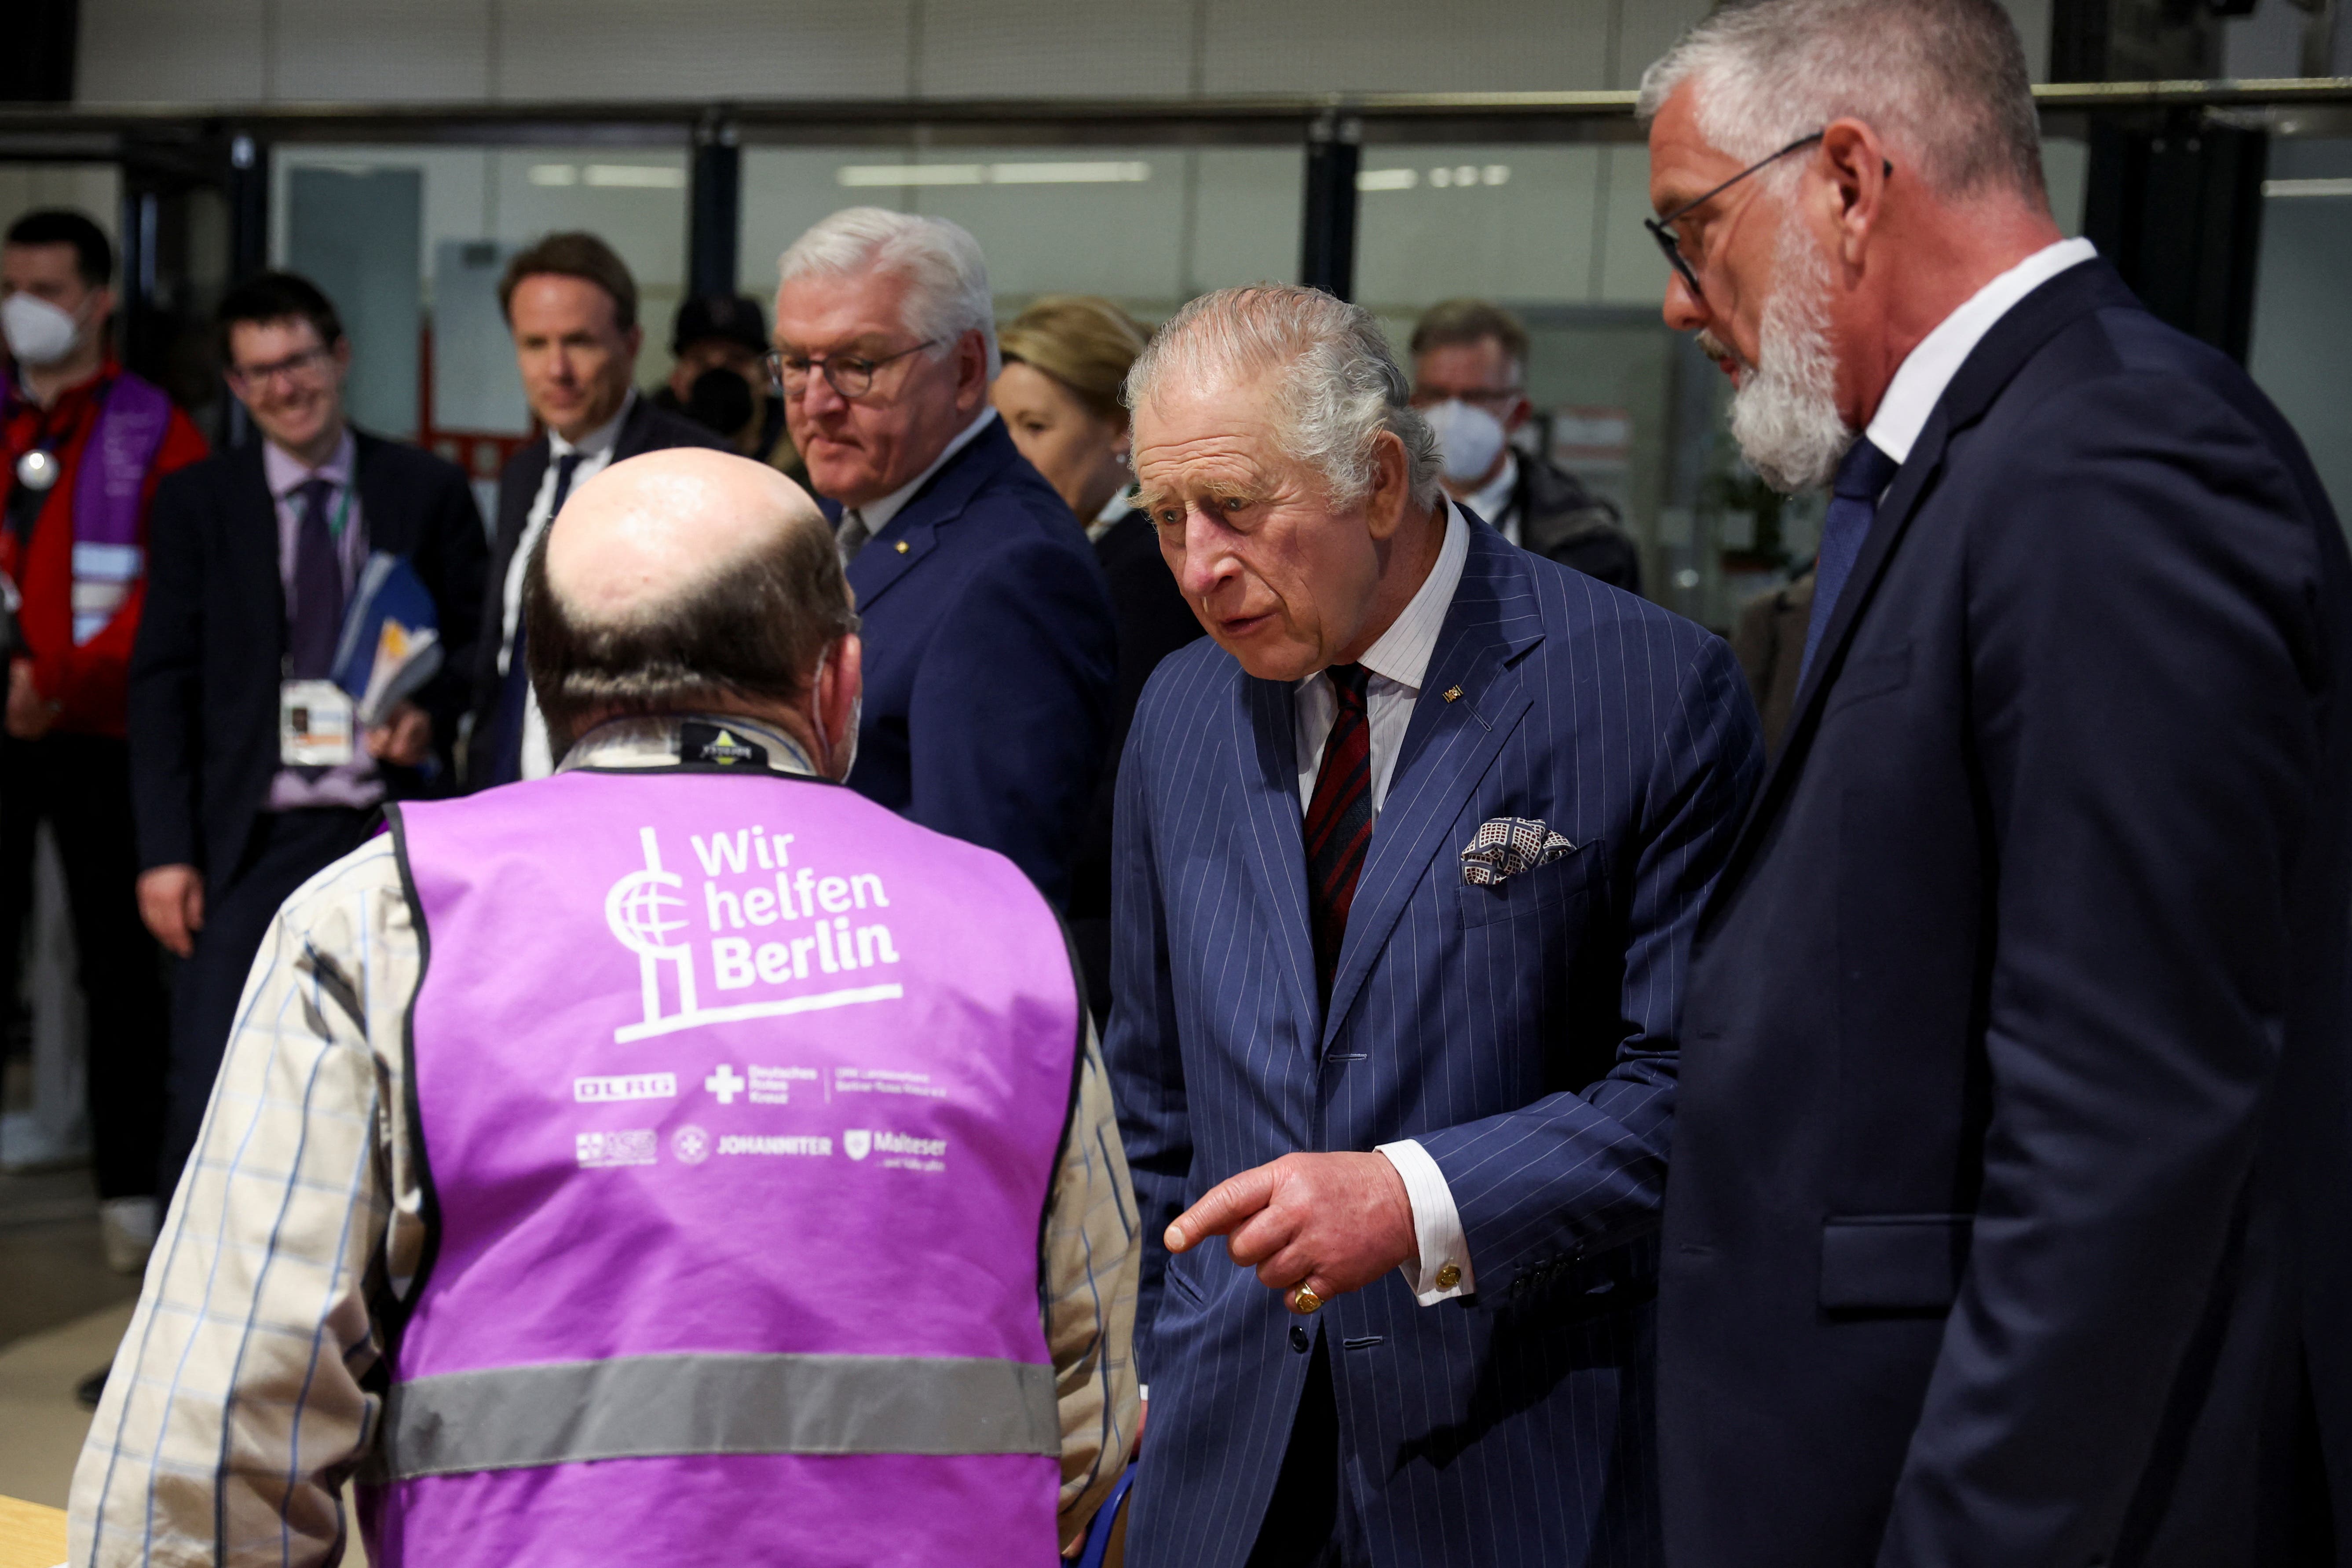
1444	1269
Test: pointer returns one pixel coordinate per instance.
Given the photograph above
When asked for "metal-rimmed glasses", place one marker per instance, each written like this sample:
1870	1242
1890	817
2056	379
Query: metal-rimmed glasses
851	375
1661	229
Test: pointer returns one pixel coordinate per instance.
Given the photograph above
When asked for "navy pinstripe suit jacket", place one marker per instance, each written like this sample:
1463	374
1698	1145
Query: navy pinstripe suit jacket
1526	1036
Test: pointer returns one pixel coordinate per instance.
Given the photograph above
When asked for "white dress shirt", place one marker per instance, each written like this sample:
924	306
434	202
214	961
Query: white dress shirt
595	450
1919	382
1492	500
878	513
1397	662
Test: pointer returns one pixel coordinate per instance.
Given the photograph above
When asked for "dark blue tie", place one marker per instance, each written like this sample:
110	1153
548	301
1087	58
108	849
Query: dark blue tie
506	765
1862	477
317	622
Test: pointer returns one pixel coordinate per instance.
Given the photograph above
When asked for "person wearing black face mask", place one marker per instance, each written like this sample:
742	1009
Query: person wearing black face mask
1469	381
719	381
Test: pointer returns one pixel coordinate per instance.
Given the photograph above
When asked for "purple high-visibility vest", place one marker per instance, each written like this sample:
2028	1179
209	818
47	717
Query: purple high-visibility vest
739	1100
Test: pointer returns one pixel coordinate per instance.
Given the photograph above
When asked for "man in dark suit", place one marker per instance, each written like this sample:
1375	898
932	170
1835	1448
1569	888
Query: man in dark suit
255	555
2008	1219
571	305
990	648
1408	859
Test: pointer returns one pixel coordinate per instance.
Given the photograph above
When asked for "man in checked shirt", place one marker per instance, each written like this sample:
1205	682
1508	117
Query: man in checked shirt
680	1159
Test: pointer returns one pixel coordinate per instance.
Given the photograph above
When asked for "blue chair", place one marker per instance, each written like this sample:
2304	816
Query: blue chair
1106	1524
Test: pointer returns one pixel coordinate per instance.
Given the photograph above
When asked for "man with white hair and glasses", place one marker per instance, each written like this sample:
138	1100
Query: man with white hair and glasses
1407	856
2008	1219
990	648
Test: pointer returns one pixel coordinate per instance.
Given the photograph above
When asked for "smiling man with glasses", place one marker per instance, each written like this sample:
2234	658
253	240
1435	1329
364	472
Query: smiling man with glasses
258	555
990	643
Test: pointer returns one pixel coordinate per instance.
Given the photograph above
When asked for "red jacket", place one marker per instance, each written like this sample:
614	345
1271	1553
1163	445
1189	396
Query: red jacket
87	682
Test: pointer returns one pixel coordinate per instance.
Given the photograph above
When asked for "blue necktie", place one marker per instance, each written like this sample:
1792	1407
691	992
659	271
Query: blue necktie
1862	477
506	754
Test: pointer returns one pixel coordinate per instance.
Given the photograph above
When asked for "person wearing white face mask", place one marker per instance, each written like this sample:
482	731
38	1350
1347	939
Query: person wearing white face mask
86	442
1469	381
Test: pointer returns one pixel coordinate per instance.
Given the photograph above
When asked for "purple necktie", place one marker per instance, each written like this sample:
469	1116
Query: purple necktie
1339	821
316	621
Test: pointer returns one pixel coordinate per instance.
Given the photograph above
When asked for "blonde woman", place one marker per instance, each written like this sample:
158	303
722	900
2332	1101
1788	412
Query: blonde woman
1064	359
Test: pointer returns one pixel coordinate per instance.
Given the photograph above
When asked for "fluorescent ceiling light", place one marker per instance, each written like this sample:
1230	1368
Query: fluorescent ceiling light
1453	177
2307	187
906	176
554	174
637	177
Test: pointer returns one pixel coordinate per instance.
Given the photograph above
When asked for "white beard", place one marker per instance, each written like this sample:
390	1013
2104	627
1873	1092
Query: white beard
1785	415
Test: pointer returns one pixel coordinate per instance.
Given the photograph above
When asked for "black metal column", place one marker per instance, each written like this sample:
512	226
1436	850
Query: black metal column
2178	208
1327	247
248	190
715	209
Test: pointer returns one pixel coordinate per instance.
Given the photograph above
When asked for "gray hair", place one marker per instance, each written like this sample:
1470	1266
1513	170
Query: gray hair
1338	385
947	294
1944	81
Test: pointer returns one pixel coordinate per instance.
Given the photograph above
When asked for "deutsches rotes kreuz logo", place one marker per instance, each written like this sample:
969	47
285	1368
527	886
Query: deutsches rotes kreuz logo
801	926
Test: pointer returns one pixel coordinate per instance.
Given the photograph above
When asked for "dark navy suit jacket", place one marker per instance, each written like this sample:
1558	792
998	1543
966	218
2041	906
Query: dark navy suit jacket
1526	1035
990	654
2013	1164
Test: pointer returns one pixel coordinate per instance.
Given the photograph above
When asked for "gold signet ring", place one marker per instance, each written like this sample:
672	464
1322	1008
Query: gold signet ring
1303	1302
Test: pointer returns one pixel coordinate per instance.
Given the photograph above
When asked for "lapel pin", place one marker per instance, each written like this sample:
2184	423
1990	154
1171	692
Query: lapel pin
1453	694
902	547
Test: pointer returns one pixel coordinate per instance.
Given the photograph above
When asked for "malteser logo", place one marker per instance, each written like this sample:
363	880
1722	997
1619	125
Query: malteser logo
859	1141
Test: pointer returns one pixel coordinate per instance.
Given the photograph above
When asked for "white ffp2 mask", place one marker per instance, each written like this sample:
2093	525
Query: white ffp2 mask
38	332
1469	438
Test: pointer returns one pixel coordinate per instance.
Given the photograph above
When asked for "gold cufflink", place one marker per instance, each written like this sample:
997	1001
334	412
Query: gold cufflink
902	547
1452	694
1449	1277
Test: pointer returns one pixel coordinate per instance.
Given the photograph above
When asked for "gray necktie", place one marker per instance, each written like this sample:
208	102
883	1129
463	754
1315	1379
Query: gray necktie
852	536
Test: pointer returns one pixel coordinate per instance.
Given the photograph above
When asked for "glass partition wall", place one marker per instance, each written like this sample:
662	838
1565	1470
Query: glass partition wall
407	218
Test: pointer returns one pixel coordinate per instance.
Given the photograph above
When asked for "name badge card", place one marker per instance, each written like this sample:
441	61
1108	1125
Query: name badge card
314	724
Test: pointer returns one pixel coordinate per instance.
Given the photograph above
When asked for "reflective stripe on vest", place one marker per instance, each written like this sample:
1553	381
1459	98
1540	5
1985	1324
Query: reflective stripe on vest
637	1405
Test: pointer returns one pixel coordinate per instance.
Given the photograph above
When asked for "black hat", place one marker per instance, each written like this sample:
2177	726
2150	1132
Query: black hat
734	317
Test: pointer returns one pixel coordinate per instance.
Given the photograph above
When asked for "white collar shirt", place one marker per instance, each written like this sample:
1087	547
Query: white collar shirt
877	514
595	450
1921	380
1493	500
1398	659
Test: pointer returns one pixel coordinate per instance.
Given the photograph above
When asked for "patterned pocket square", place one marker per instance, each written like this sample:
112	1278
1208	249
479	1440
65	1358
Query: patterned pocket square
1508	846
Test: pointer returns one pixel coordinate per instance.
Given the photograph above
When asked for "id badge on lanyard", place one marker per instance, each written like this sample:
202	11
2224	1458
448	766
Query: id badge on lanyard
315	722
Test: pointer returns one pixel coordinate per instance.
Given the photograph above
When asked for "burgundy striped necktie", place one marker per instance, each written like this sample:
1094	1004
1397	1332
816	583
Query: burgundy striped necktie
1339	821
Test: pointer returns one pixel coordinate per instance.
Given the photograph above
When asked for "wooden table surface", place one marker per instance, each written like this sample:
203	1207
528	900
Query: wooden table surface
31	1536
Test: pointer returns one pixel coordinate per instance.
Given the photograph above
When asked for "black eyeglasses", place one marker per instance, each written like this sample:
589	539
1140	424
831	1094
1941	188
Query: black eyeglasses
1661	229
849	375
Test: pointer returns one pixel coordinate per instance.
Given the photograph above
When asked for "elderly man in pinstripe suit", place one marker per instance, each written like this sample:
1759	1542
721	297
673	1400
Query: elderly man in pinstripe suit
1408	857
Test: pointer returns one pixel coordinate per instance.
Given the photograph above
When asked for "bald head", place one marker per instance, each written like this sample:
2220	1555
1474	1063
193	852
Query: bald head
683	581
648	535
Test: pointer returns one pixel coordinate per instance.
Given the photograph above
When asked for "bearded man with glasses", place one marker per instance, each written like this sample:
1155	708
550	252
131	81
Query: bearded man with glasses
2007	1222
990	647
